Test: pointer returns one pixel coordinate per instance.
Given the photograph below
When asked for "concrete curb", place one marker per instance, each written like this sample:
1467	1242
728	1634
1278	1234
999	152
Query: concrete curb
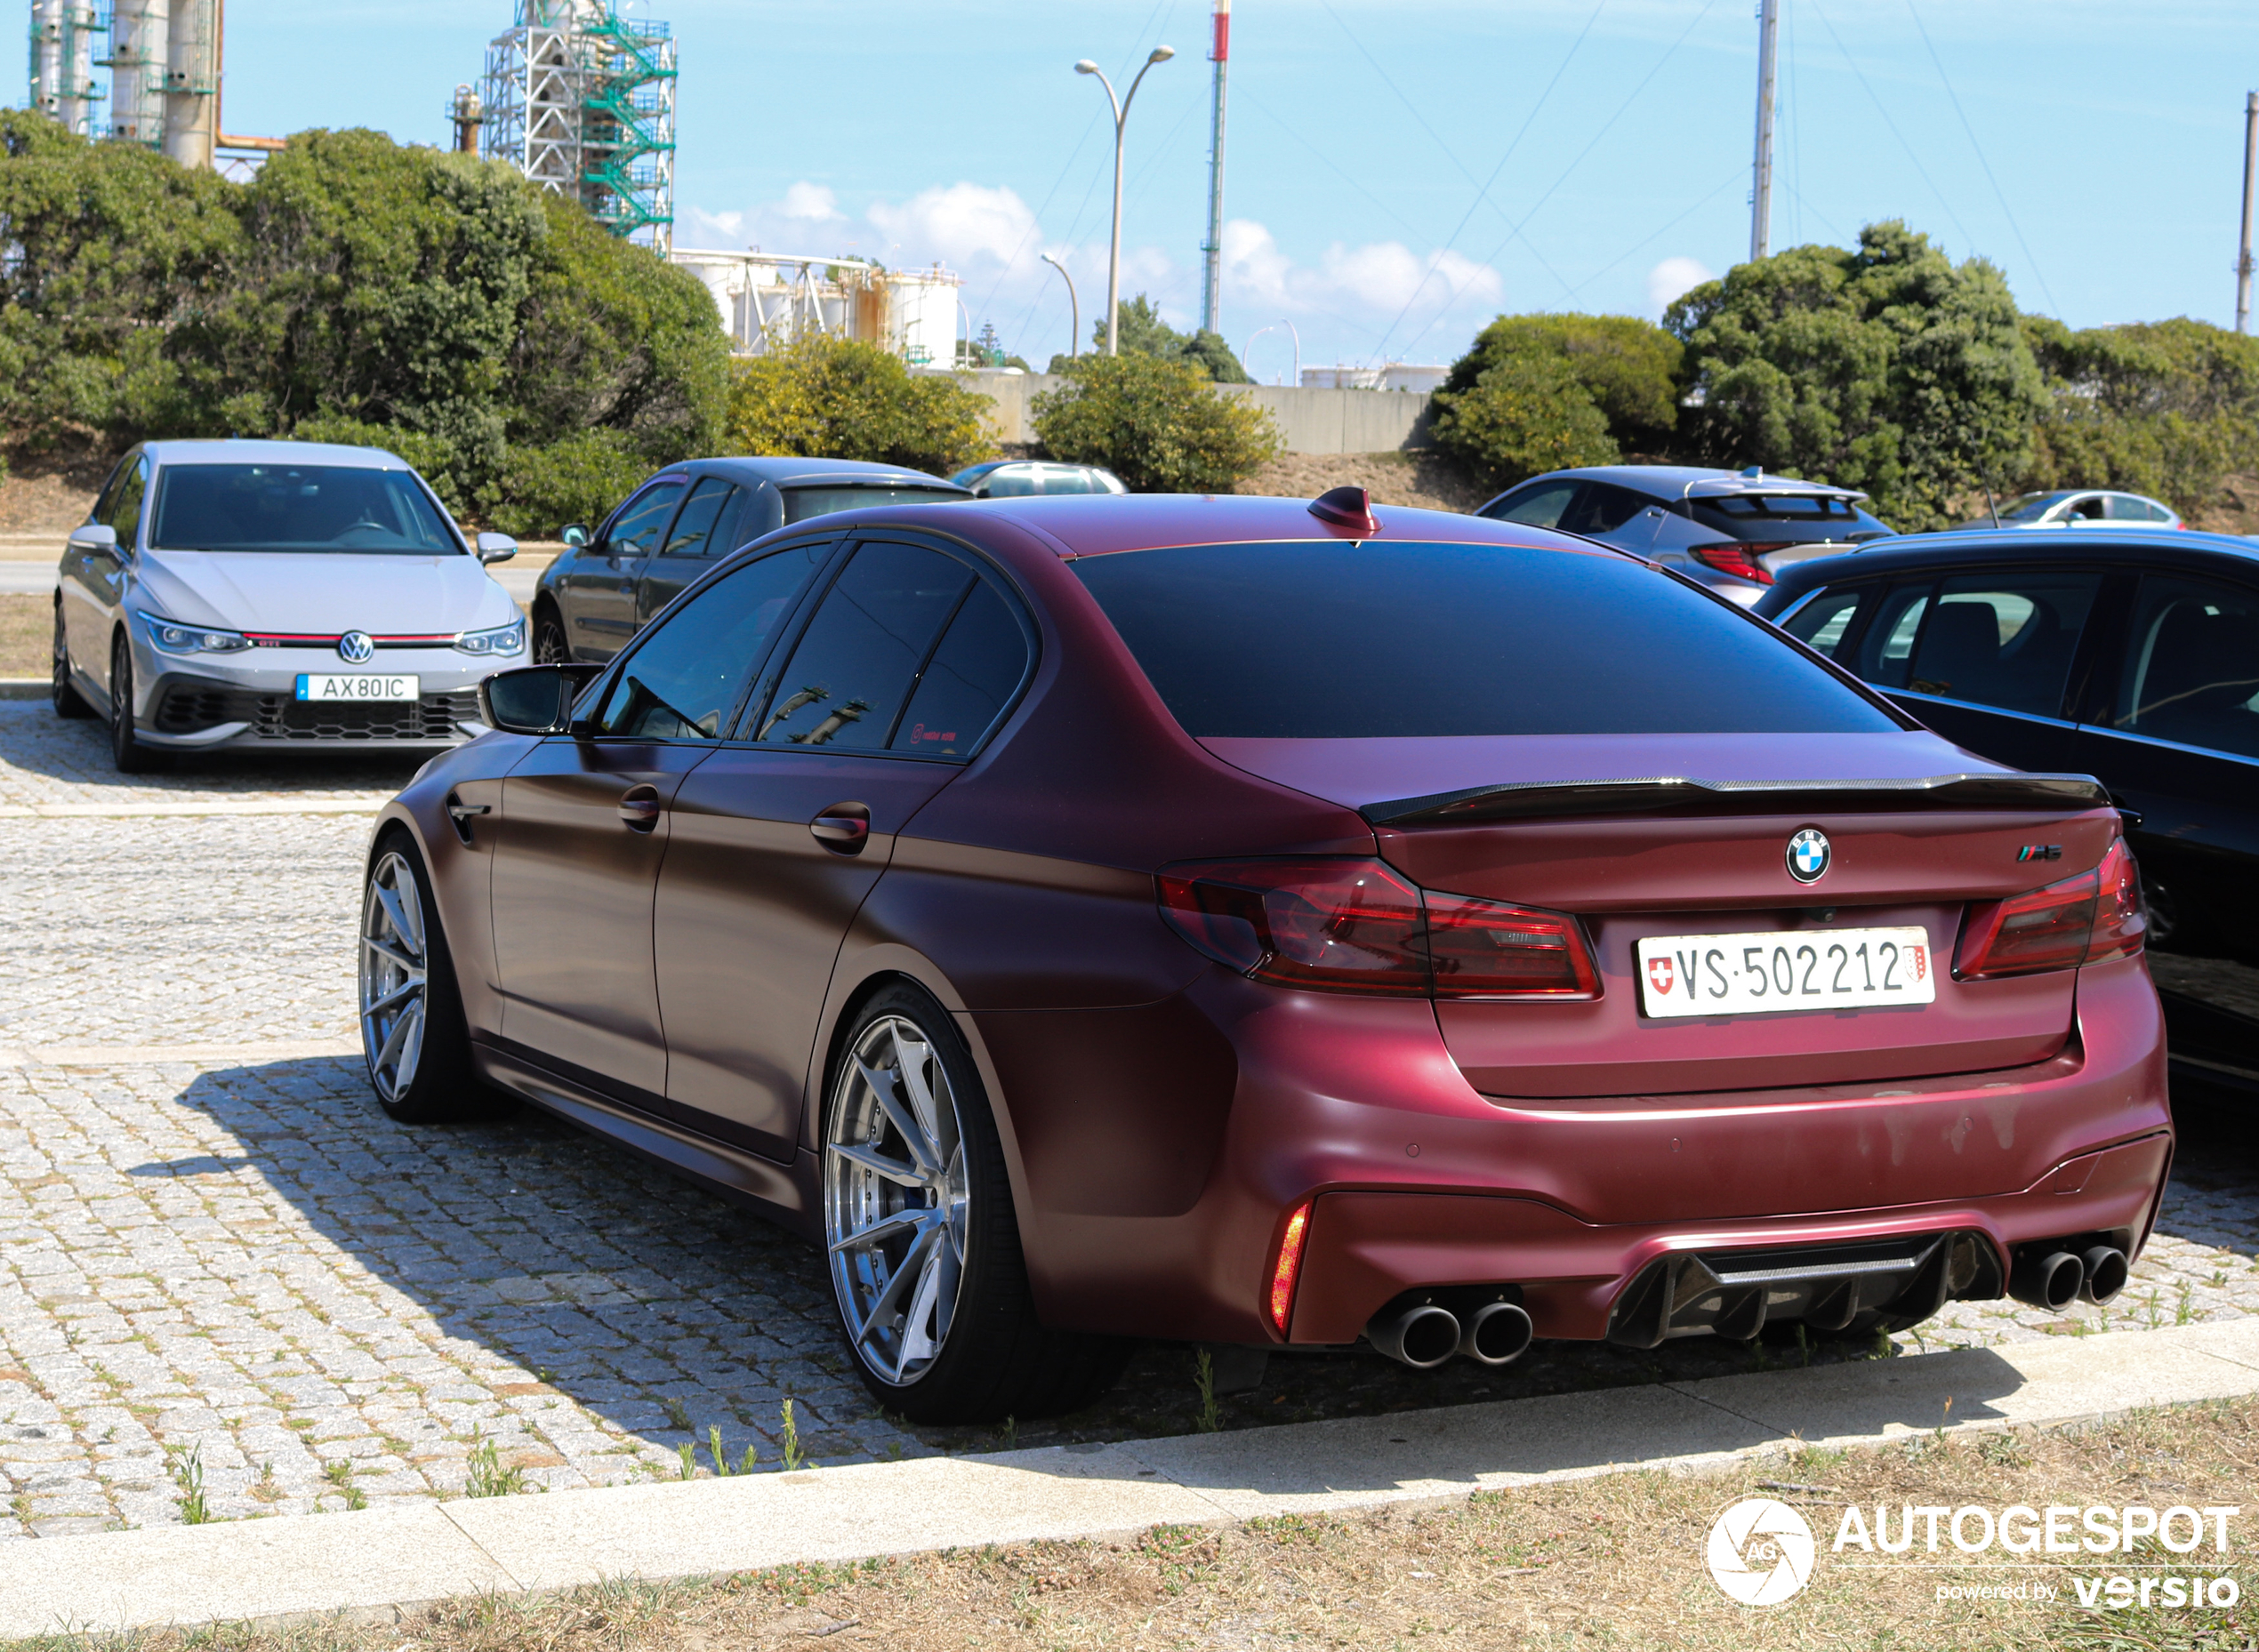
398	1556
24	687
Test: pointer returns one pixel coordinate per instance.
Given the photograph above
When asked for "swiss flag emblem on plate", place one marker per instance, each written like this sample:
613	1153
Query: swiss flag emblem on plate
1920	955
1661	974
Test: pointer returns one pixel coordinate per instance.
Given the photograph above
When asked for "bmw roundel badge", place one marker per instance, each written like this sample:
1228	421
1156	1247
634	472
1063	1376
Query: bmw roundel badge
1808	856
355	648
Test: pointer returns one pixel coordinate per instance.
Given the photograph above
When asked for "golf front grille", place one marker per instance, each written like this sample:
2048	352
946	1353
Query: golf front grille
190	707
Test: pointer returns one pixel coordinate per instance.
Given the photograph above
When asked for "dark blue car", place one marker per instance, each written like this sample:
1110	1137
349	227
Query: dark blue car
2128	652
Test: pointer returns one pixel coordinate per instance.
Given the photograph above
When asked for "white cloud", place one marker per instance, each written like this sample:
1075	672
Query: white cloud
1381	276
1673	279
807	200
964	225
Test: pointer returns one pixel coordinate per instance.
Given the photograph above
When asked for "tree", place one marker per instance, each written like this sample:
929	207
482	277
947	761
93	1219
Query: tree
1141	331
2164	408
1627	367
840	399
1887	368
1156	423
1528	415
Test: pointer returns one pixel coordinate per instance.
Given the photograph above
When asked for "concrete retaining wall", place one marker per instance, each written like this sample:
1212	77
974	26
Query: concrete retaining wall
1312	420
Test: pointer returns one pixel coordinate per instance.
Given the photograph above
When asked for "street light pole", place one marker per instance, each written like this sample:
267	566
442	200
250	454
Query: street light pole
1073	308
1120	107
2243	250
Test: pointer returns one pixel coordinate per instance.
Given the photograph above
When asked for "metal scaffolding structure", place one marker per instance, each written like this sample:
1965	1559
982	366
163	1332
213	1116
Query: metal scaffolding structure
580	99
63	62
139	40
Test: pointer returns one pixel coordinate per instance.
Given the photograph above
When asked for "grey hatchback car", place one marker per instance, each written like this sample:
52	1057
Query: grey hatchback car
609	584
1730	530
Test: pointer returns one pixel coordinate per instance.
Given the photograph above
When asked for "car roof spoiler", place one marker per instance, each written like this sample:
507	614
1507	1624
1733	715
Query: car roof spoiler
1728	486
1529	800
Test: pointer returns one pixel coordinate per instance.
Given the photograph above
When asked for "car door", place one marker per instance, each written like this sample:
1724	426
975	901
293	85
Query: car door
1997	656
583	827
691	545
598	597
912	655
91	583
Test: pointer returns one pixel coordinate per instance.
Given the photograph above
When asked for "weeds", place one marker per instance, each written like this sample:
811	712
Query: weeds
339	1474
487	1477
1210	1419
687	1451
721	1458
187	1470
1804	1343
794	1458
2185	1311
677	1413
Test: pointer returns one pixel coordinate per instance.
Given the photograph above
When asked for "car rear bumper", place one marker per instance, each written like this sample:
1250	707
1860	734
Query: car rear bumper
1417	1181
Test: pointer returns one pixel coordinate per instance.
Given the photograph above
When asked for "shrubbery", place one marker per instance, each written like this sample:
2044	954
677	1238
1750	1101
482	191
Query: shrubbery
1139	331
1155	423
836	399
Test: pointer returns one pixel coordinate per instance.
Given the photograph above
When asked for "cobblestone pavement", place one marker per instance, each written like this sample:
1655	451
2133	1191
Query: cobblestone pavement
235	1287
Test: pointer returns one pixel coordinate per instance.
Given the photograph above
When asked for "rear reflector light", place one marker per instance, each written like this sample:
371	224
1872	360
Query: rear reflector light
1288	1265
1349	925
2080	920
1738	557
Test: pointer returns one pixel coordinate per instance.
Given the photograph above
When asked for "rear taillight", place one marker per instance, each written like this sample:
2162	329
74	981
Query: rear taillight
1738	557
2080	920
1356	926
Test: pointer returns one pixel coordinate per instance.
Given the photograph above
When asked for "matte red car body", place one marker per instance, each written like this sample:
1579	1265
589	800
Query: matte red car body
1162	1115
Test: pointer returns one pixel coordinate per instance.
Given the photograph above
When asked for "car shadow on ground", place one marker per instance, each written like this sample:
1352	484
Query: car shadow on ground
532	1257
76	752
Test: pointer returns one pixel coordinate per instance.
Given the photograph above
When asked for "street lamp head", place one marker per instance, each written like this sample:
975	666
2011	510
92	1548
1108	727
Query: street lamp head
1086	66
1162	54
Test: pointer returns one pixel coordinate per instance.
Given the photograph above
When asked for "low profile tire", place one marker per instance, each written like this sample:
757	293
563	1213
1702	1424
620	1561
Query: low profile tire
550	647
129	755
414	1036
68	702
924	1247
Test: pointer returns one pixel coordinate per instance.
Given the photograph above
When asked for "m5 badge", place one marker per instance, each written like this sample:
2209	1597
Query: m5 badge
2040	851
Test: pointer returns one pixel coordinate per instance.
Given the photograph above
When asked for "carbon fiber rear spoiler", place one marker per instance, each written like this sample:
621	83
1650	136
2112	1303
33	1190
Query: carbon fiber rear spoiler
1529	800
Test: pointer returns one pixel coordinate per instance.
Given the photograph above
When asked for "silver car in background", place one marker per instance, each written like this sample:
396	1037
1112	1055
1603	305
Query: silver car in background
276	594
1730	530
2079	506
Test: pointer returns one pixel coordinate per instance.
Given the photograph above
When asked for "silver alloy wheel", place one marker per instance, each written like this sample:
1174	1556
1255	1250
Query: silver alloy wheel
394	961
895	1199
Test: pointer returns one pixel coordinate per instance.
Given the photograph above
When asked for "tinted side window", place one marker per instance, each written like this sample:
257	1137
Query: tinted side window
635	531
1602	508
693	532
972	676
1886	648
1327	640
855	664
1822	622
1541	505
683	681
2004	639
126	507
2192	671
109	496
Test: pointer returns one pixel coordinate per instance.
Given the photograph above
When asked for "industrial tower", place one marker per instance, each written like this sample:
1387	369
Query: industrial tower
580	99
63	62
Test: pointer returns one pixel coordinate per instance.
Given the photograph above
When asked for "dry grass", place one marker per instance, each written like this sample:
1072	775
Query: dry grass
26	626
1427	481
1615	1563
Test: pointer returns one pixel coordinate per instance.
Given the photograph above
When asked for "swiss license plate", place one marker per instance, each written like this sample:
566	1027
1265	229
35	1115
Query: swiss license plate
339	686
1769	972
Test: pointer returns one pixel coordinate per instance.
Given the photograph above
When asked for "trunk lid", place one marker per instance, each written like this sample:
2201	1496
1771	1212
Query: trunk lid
1668	835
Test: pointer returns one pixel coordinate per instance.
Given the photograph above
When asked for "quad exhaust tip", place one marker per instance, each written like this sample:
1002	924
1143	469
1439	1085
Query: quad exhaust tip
1496	1333
2047	1278
1422	1333
2106	1273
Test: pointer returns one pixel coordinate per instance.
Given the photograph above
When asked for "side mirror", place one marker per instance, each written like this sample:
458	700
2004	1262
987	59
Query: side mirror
494	548
537	699
574	536
94	536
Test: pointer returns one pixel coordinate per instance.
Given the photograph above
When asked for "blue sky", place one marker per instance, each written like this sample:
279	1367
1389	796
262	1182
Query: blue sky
2090	148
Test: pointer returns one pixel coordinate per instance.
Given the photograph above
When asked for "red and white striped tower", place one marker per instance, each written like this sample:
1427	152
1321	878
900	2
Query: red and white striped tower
1212	292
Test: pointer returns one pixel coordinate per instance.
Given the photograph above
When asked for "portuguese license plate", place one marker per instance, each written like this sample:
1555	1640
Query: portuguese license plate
1769	972
339	686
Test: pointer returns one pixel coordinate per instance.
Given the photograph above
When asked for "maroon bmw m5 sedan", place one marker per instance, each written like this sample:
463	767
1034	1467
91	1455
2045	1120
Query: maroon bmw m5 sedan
1261	924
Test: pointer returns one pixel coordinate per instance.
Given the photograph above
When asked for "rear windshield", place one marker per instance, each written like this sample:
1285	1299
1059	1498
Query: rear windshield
1334	639
803	502
297	508
1785	516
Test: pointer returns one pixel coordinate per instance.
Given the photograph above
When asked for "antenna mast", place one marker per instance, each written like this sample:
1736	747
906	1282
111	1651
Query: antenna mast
1761	191
1212	292
2243	252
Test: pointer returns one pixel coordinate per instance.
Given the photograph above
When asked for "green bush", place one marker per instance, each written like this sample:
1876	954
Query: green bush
577	479
1528	415
1887	368
840	399
1627	367
1155	423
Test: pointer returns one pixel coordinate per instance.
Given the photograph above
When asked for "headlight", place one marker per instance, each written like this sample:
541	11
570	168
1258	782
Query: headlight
502	639
169	637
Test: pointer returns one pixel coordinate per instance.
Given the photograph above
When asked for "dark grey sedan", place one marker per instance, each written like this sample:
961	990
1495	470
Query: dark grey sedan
608	584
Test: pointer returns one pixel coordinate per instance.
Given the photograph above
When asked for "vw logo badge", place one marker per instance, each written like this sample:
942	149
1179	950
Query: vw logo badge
359	648
1808	856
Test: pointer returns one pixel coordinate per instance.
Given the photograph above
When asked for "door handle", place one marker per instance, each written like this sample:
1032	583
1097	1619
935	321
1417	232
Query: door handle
639	807
844	826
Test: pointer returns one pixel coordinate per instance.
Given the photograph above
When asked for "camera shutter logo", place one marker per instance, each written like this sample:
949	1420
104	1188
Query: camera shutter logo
1761	1551
356	648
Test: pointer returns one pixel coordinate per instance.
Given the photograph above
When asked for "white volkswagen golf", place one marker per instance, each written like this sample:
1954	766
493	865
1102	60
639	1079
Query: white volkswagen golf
276	594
